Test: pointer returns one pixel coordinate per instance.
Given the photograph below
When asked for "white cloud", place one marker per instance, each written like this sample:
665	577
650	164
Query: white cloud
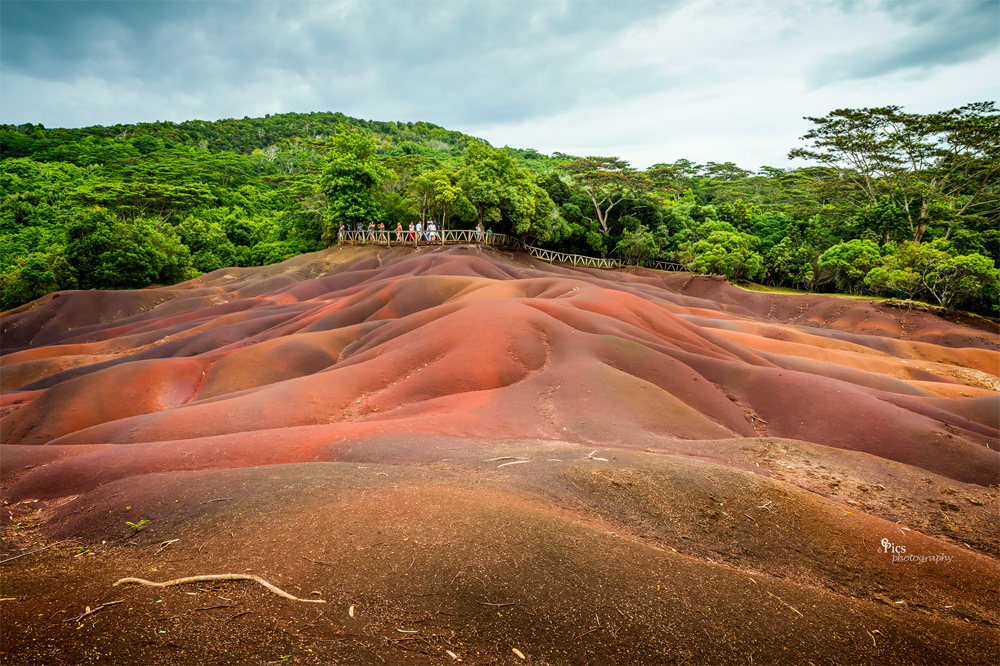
648	81
739	80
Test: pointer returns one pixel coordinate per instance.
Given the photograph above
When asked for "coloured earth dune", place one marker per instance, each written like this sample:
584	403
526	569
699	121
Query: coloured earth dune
474	455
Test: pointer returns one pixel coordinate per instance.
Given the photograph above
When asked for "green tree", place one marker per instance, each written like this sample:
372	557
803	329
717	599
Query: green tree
33	275
208	243
504	193
108	253
894	282
607	181
946	278
727	253
935	168
850	262
350	180
637	246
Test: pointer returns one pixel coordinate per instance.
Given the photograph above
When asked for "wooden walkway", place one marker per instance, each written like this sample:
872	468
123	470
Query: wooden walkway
470	236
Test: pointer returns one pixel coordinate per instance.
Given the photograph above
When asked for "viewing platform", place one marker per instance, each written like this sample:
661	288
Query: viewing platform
471	236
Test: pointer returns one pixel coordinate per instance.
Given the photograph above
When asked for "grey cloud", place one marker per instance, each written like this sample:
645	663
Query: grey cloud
934	34
457	61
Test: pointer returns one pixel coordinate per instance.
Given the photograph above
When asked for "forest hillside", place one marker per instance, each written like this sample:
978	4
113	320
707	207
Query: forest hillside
885	203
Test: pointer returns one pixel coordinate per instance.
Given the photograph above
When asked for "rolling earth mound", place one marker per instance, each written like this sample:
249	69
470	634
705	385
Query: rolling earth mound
473	455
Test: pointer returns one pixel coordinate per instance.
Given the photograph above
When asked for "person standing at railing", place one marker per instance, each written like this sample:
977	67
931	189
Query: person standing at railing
420	231
413	236
432	231
489	235
381	232
399	231
479	231
371	231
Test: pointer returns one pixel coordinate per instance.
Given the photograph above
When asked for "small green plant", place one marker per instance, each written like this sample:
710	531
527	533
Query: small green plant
139	526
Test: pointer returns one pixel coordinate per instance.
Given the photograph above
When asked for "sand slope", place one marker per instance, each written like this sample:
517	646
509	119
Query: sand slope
597	467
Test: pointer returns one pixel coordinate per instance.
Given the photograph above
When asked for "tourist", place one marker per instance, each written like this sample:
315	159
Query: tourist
420	231
412	236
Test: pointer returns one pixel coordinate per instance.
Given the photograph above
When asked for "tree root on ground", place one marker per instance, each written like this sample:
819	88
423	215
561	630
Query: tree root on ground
211	577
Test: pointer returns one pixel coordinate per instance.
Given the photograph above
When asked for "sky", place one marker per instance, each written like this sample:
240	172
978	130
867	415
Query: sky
646	80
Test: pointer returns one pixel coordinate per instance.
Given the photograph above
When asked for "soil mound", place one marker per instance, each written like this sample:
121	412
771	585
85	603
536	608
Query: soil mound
475	455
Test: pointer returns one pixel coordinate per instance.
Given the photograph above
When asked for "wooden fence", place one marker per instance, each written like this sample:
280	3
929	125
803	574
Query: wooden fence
445	237
466	236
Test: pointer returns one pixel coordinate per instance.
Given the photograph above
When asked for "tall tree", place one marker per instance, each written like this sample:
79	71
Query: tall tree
352	176
505	193
932	167
607	181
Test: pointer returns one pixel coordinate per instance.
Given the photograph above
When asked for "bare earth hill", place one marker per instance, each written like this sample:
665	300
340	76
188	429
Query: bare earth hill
475	456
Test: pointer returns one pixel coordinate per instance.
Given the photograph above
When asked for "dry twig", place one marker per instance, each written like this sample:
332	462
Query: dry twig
786	604
515	462
90	611
31	552
165	544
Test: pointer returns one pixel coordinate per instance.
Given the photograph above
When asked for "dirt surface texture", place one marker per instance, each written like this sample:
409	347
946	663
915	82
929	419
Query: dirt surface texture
457	455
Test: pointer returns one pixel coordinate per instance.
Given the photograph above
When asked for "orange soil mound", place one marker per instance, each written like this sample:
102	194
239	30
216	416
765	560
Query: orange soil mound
723	431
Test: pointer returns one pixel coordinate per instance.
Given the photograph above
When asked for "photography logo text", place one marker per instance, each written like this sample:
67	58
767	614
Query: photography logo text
899	554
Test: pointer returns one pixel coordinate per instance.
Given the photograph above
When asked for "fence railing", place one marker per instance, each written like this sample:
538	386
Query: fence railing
439	237
575	259
454	236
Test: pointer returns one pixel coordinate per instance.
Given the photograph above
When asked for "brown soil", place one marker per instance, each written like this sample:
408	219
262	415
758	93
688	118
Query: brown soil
480	457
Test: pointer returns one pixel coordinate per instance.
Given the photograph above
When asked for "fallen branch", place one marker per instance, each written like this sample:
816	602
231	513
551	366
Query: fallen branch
786	604
218	499
91	612
316	561
165	544
516	462
31	552
215	577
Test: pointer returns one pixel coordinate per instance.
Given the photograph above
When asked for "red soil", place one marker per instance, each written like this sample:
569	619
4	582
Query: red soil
739	448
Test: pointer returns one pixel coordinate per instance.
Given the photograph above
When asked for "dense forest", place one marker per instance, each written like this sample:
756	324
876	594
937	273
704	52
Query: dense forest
886	203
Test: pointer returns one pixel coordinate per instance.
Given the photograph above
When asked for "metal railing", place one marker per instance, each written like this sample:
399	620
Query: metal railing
455	236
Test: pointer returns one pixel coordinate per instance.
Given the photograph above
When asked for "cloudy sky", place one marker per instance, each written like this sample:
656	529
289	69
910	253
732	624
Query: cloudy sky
647	80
